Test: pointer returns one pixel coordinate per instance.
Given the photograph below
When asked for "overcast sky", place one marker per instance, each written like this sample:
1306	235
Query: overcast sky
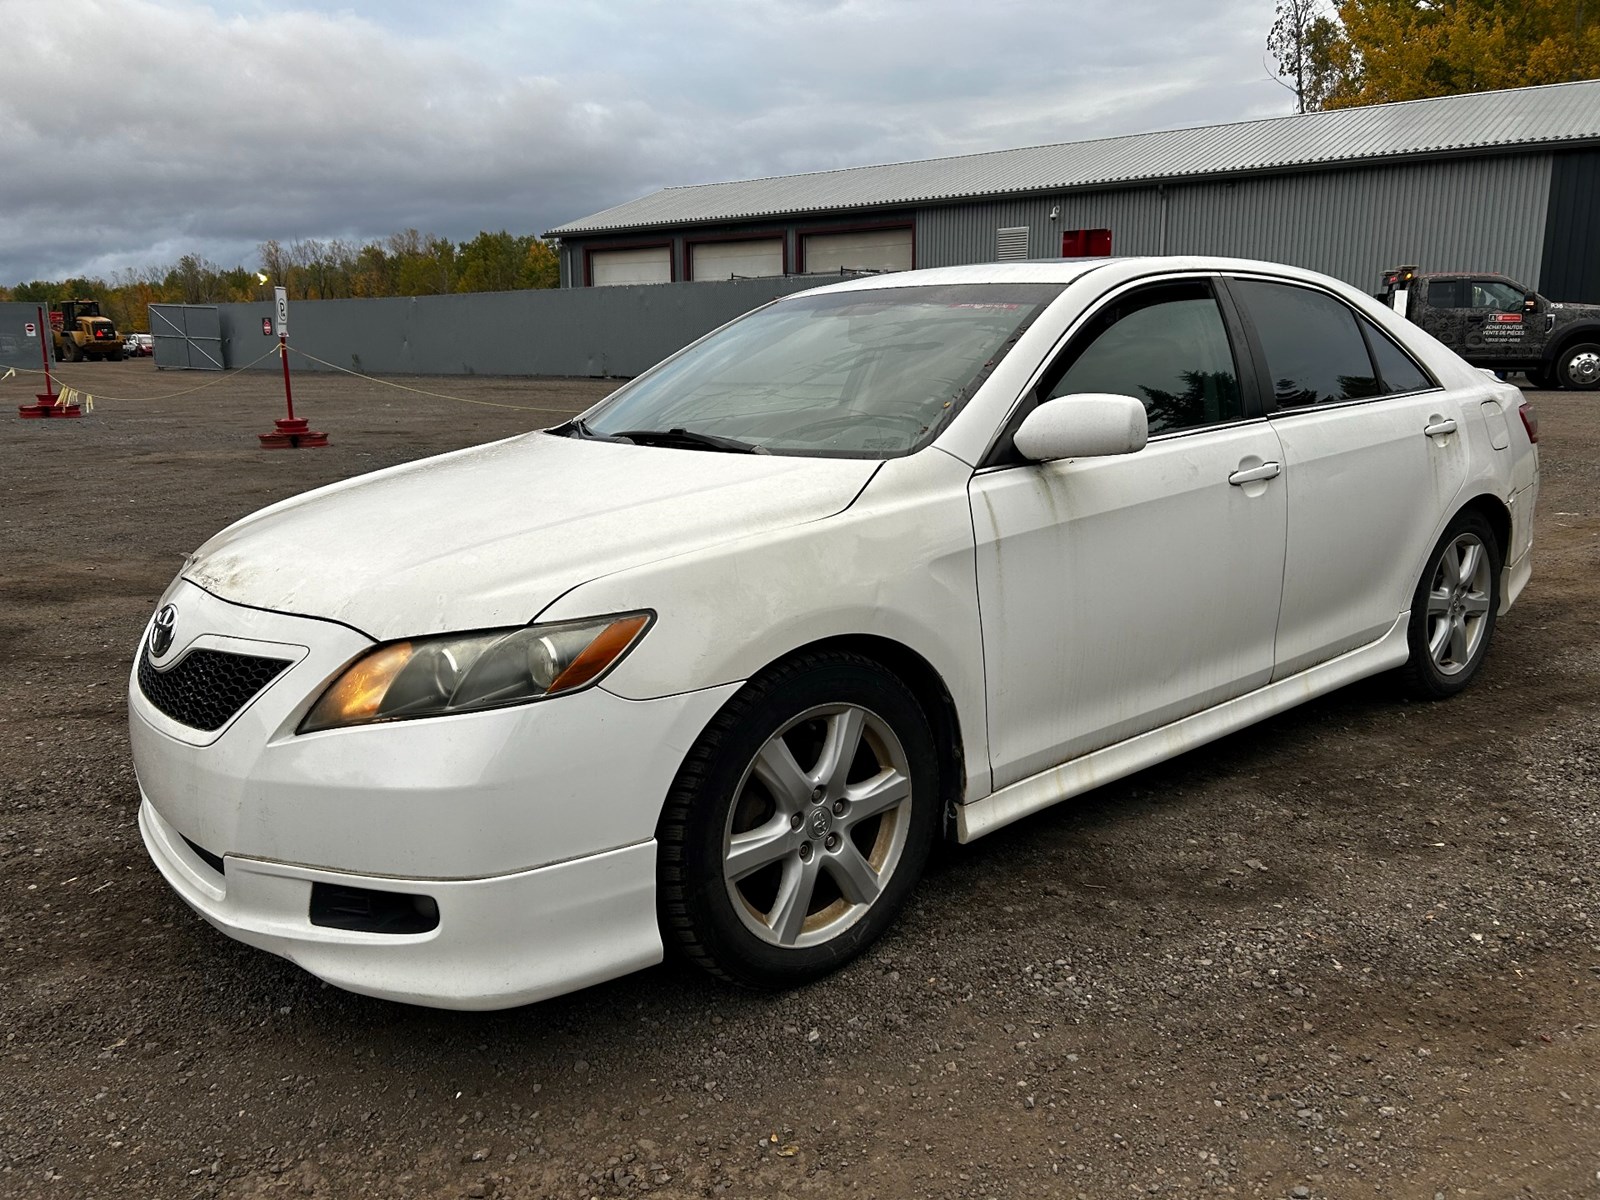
136	131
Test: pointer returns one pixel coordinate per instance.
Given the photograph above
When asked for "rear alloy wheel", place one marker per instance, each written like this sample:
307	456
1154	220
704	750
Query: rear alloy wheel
1453	610
1579	367
799	822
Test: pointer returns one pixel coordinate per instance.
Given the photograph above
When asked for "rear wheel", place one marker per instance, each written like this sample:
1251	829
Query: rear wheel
799	822
1579	366
1453	610
1539	379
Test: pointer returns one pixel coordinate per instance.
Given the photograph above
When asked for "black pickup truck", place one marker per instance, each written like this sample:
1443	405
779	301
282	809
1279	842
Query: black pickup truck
1495	322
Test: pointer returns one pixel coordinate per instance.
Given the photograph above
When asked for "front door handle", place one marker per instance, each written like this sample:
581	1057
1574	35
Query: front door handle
1267	470
1440	428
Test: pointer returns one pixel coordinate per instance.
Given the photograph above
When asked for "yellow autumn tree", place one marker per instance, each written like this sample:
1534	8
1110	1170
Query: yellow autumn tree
1412	49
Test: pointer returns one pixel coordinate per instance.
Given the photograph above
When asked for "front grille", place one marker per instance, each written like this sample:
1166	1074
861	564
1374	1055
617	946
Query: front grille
205	688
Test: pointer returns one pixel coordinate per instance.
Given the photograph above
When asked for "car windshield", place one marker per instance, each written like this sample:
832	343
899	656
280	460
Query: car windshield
868	374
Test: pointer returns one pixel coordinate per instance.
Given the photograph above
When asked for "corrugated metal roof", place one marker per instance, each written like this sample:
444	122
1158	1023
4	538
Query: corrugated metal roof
1563	112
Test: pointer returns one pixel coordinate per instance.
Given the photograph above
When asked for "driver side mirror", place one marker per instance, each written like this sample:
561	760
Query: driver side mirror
1084	425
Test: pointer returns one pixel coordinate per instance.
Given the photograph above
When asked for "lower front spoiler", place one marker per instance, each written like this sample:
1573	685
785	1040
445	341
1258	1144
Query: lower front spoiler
500	942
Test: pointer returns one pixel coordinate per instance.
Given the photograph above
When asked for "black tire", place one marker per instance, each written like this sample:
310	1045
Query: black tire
116	356
59	356
1452	620
721	791
74	352
1539	379
1578	366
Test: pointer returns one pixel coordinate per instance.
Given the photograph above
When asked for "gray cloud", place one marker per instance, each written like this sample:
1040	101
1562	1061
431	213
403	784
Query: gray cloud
210	127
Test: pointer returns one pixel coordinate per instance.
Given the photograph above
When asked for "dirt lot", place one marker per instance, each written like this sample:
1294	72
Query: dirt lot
1353	951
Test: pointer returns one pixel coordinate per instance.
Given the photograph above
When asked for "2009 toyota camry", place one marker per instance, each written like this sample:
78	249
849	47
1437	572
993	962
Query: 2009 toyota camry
903	558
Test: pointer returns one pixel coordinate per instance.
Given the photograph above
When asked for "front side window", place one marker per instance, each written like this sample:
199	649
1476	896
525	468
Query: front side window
868	374
1165	345
1495	296
1314	351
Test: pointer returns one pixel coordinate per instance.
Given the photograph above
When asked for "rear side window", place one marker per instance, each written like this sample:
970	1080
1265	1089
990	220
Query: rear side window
1444	293
1396	372
1165	345
1314	350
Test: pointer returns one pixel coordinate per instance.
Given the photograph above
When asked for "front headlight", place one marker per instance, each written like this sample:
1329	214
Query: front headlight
466	672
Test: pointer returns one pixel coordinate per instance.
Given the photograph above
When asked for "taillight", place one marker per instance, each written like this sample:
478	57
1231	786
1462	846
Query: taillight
1530	421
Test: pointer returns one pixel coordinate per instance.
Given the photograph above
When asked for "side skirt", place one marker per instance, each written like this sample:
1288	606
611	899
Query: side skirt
1028	796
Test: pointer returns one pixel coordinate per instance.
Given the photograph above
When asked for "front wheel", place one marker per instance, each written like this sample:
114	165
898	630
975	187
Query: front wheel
1453	610
1579	367
799	822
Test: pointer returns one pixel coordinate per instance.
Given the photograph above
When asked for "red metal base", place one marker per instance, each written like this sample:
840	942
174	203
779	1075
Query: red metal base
292	433
48	405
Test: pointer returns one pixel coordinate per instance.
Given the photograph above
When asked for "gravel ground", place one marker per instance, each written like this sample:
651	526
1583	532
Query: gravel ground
1351	951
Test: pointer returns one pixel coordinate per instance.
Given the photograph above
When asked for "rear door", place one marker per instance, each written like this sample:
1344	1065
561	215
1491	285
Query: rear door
1373	457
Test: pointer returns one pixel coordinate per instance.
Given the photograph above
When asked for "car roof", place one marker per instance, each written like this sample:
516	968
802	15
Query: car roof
1064	271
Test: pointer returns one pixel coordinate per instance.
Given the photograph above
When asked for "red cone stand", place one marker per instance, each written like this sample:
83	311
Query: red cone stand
47	403
291	432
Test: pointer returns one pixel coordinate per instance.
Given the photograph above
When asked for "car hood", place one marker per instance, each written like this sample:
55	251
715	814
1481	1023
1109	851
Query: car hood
490	536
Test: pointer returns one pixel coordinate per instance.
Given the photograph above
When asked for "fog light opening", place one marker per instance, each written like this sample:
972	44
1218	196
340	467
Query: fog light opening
365	910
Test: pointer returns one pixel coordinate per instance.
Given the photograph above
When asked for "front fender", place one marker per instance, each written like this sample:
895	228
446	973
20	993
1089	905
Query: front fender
898	564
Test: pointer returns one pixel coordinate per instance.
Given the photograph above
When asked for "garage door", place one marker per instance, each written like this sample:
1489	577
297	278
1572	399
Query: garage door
736	260
871	250
649	264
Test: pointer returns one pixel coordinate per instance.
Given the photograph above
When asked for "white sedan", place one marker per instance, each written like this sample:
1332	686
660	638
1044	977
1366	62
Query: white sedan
714	665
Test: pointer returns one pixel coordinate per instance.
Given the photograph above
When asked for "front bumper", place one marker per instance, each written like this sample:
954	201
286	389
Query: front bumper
500	942
531	827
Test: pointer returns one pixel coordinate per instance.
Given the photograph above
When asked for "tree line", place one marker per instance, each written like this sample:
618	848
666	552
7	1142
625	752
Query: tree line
408	263
1351	52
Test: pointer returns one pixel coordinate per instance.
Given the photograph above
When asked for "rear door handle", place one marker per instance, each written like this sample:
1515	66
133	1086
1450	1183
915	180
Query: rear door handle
1267	470
1440	428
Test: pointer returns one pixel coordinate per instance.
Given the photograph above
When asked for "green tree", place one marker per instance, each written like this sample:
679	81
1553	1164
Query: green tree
492	262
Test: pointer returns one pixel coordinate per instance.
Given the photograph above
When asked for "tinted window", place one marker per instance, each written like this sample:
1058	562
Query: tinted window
1164	345
1314	350
1396	371
1496	296
1444	293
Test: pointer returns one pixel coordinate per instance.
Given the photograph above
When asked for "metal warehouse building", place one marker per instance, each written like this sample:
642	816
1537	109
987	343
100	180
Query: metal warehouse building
1501	181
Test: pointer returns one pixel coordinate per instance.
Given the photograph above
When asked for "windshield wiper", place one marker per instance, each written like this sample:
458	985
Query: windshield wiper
688	438
579	428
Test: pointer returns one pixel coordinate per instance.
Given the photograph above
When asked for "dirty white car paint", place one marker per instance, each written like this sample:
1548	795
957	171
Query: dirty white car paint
999	633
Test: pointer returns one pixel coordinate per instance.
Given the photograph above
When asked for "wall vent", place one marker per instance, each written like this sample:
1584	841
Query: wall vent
1011	245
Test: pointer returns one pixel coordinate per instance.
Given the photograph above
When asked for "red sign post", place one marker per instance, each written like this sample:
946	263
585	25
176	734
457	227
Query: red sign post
47	403
290	432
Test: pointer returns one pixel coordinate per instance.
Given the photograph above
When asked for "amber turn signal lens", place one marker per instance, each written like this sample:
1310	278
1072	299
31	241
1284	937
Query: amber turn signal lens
600	653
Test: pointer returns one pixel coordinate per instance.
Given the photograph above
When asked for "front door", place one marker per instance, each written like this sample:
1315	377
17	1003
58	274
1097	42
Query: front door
1484	321
1118	594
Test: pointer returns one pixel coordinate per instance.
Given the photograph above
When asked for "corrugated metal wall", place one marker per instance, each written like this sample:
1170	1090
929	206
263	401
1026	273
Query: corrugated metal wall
1477	213
1572	232
17	349
570	331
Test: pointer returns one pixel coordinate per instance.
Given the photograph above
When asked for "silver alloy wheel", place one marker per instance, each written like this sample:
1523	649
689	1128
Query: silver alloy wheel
1583	368
1458	604
817	826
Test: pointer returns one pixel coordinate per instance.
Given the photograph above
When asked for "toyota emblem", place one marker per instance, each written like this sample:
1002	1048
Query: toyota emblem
161	631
